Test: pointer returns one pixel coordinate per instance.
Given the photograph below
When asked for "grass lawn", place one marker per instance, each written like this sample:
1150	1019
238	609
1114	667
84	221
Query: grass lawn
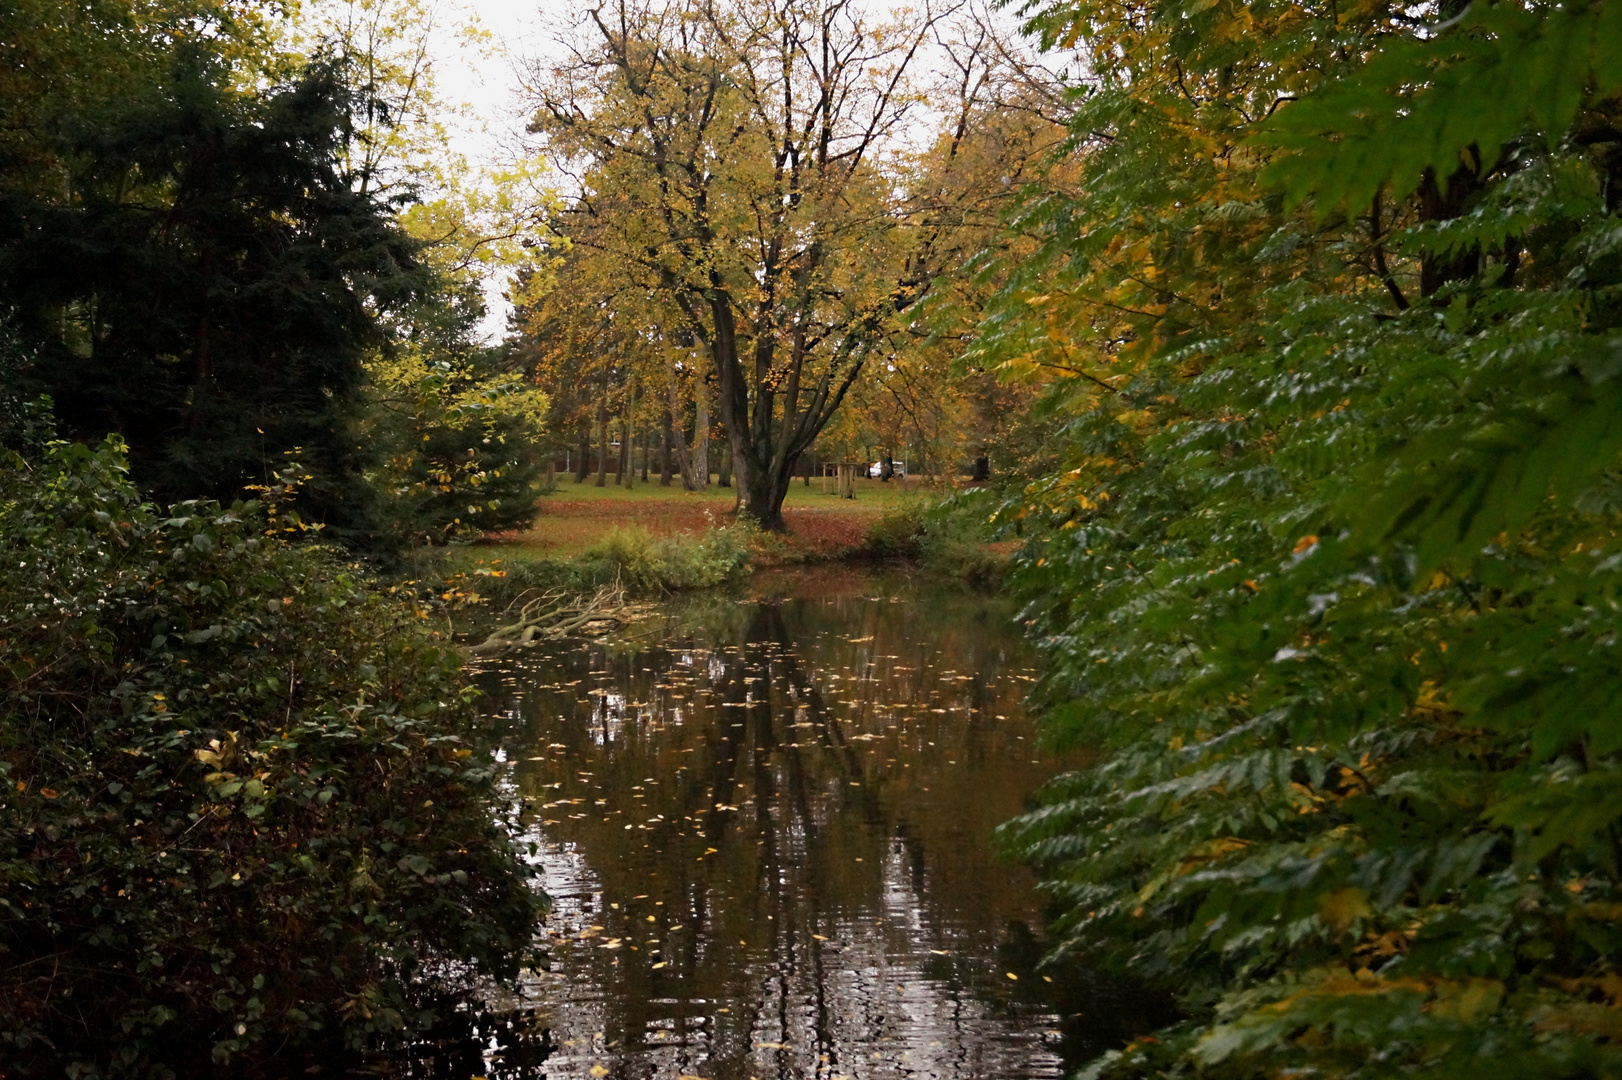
871	495
574	516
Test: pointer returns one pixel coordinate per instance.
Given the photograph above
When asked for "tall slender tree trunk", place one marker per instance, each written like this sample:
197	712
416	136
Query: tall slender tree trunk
582	464
664	453
701	432
602	442
624	473
678	441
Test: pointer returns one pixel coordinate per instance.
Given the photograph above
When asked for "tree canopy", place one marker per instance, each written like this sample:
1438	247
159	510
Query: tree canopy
745	168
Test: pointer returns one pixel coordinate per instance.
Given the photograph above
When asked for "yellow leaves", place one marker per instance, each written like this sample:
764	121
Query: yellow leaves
1390	943
219	753
1339	909
1467	1000
1197	857
1608	987
1304	799
1430	704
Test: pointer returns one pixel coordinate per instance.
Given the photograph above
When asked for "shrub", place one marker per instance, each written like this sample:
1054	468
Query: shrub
644	563
958	541
898	532
241	808
951	538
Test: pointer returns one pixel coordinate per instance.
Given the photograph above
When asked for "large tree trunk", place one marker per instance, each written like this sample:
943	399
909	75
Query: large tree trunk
761	493
766	446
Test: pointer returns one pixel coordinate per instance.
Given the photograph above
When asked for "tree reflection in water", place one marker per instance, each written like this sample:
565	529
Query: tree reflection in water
765	825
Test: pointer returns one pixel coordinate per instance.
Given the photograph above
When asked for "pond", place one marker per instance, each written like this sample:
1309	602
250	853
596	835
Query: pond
765	820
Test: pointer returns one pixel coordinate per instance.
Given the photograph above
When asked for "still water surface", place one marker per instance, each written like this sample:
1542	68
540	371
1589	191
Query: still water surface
765	824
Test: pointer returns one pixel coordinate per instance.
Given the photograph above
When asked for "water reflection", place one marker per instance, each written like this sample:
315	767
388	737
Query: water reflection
764	822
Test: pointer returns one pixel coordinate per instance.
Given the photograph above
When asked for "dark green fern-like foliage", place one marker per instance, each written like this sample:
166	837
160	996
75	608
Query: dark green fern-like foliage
1332	569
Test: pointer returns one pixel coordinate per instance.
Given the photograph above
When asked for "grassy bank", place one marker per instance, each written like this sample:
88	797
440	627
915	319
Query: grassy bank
652	540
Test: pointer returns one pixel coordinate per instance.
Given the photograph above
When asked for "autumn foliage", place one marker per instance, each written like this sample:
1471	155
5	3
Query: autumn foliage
1330	565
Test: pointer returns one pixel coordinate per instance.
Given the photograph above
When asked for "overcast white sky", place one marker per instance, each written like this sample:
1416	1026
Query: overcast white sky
490	83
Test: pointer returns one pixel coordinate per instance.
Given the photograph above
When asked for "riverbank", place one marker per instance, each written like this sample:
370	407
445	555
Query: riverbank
652	540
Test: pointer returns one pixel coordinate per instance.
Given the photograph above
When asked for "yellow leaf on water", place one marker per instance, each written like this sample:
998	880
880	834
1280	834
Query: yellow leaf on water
598	1070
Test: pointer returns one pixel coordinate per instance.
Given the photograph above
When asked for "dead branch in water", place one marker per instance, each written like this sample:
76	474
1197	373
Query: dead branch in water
557	613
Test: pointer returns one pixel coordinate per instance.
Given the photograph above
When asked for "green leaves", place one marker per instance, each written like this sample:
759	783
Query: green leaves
1449	100
208	749
1484	473
1331	579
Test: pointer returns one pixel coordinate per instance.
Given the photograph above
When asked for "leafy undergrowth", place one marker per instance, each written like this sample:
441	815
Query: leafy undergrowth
243	818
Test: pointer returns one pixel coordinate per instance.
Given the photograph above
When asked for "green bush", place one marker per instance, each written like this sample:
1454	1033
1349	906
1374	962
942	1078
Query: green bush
951	538
897	533
957	540
242	812
646	564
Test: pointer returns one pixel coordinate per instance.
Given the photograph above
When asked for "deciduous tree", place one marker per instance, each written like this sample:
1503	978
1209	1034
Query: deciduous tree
745	163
